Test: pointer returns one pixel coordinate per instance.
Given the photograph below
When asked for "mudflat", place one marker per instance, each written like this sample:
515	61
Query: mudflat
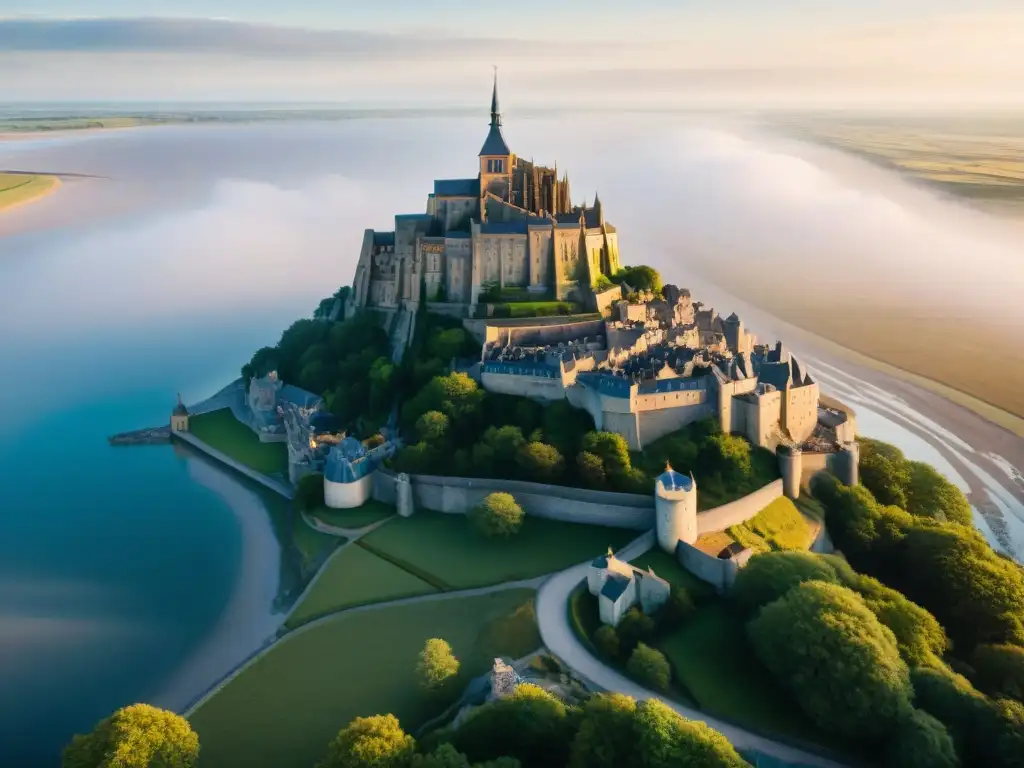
17	189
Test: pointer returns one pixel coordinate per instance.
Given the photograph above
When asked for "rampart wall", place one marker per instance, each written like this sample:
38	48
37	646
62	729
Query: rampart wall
457	495
719	573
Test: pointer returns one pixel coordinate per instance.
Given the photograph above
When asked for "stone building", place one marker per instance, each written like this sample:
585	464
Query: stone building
619	586
179	417
512	226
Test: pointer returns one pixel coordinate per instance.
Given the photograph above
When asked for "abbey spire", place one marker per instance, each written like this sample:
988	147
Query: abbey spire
495	109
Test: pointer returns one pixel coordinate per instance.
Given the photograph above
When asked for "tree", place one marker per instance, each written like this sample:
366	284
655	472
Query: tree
138	736
918	740
604	738
634	627
529	724
540	462
920	637
999	670
448	344
445	756
770	575
649	667
371	742
606	639
498	516
506	442
664	739
842	666
591	470
725	456
437	666
564	427
884	472
432	427
611	448
640	278
929	494
309	492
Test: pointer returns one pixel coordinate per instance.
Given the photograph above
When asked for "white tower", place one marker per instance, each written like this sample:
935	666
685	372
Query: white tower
675	509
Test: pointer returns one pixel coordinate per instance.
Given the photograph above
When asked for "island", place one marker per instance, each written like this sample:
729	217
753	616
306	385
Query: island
582	519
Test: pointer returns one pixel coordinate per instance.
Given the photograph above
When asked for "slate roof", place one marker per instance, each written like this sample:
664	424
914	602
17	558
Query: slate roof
504	227
457	187
614	586
495	143
675	481
600	562
384	238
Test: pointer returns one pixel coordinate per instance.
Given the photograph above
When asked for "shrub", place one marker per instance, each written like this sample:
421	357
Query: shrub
999	670
677	609
649	667
138	736
371	742
929	494
634	627
498	516
309	492
432	427
884	472
822	643
606	640
540	462
611	448
437	665
530	725
918	740
664	739
770	575
591	470
640	278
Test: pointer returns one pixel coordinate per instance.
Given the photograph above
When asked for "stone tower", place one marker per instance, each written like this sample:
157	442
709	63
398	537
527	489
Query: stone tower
403	495
791	466
675	509
179	417
496	159
848	460
735	339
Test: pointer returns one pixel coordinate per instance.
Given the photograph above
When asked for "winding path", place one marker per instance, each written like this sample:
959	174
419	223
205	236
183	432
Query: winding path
561	641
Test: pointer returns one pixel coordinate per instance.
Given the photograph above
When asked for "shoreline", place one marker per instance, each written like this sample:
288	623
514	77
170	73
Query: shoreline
55	184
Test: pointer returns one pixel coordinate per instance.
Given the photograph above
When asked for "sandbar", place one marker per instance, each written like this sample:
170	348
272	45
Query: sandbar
20	189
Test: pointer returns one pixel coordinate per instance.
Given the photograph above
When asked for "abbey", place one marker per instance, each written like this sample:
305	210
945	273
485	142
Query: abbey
512	226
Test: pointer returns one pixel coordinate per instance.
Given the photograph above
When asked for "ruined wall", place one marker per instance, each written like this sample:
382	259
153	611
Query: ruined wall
739	511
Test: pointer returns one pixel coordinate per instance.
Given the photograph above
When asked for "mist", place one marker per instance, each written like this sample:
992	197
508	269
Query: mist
244	220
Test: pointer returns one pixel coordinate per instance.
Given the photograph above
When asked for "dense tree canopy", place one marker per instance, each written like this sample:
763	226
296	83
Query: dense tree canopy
640	278
138	736
770	575
530	725
498	516
371	742
664	739
844	668
604	738
921	740
920	637
649	667
999	670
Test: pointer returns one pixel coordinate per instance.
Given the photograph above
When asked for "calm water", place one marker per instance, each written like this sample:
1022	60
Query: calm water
144	573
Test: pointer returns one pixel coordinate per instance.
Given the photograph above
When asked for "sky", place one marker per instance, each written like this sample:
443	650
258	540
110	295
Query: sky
745	53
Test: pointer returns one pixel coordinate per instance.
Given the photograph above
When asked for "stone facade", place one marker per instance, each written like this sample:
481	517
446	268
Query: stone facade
179	417
619	586
511	226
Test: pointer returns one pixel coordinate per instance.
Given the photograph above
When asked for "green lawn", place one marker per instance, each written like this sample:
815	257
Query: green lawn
670	569
221	430
710	656
282	711
449	550
356	577
371	512
778	526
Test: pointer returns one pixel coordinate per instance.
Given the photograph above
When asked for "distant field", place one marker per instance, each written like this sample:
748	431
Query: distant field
36	125
20	188
979	161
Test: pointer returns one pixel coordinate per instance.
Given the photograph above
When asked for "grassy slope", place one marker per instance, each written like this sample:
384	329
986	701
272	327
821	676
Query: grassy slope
360	517
16	188
778	526
221	430
356	577
446	547
282	711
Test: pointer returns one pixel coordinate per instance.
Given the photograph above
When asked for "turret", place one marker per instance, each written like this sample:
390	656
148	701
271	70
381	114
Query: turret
848	469
675	509
179	417
791	466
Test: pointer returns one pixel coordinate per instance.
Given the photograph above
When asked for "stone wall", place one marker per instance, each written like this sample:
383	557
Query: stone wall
739	511
605	299
457	495
719	573
348	495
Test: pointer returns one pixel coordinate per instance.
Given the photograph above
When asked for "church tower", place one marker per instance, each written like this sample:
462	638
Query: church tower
496	159
675	509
